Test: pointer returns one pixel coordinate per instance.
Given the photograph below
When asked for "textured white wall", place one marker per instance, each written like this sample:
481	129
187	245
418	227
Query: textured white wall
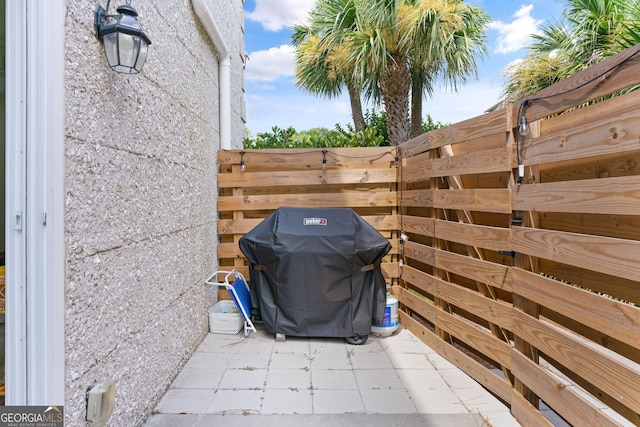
141	202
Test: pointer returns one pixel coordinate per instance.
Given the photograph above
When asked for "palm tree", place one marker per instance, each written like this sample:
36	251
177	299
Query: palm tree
466	41
321	69
385	44
588	31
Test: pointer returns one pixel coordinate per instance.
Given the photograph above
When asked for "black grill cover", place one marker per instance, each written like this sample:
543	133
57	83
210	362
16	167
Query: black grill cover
315	272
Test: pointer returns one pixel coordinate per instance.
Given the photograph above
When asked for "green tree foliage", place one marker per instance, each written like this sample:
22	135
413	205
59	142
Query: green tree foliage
587	32
374	134
321	69
386	47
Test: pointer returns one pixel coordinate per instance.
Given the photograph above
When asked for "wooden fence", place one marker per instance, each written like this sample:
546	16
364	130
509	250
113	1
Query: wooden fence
515	257
360	178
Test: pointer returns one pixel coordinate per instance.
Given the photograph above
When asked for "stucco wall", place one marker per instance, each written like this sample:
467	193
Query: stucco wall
141	217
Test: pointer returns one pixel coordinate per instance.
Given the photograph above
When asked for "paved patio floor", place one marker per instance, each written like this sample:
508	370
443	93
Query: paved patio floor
397	380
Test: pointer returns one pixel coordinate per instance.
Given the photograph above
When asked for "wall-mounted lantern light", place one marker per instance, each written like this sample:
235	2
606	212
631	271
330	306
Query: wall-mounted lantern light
125	43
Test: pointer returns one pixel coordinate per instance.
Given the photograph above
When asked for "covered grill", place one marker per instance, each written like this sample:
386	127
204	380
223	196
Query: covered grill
315	272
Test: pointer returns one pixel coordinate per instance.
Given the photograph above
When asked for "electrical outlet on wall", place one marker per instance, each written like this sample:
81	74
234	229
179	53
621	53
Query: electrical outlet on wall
100	402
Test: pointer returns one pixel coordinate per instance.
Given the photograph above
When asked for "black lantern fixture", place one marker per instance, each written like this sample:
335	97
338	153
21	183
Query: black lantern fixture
125	43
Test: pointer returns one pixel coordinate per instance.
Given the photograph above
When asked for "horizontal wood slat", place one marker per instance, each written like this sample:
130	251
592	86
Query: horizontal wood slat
416	198
416	168
617	130
495	312
326	177
617	319
418	225
479	270
475	337
483	200
526	413
485	126
587	85
306	158
604	369
620	196
573	407
617	257
326	200
487	161
421	280
493	238
496	384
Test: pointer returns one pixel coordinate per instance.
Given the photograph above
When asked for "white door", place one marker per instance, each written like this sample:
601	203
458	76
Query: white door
34	201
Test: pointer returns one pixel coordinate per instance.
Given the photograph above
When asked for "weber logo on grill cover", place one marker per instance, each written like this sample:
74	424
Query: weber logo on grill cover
314	221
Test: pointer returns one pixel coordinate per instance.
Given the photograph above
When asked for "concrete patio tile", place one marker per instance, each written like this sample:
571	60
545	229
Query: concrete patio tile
395	401
252	344
290	361
288	379
198	378
329	379
399	336
236	402
372	345
370	360
409	361
503	419
222	343
422	379
287	402
383	379
331	360
337	402
422	347
436	401
243	379
294	345
172	420
234	344
317	420
233	376
322	346
189	401
440	362
201	360
249	360
218	342
404	345
480	400
457	379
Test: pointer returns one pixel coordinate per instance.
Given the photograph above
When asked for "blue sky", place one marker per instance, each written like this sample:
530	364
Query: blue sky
273	100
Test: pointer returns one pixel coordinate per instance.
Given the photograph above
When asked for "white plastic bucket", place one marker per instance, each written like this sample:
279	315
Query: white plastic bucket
390	321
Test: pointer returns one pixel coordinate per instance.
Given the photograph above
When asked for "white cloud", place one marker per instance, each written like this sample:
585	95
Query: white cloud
275	15
269	65
514	35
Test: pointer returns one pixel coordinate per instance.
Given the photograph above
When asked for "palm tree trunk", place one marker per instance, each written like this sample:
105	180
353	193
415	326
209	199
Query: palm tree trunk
416	107
394	85
356	107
